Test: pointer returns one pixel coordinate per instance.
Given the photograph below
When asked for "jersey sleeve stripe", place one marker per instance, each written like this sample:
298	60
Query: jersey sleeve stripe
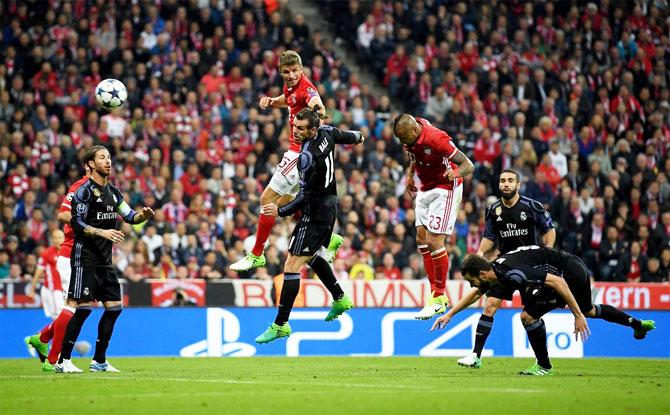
453	153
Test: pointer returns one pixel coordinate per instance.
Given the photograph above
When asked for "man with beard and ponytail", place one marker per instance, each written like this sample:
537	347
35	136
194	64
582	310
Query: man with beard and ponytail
512	221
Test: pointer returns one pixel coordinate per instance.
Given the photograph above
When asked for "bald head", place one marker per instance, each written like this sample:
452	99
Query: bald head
407	129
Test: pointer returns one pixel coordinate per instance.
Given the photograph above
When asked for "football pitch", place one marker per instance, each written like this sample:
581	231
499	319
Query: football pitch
327	385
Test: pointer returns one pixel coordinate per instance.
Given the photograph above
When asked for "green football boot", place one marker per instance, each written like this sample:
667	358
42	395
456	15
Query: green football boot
537	370
339	307
647	326
274	332
336	242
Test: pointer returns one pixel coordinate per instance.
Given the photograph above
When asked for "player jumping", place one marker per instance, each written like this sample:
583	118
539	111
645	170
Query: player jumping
299	93
440	167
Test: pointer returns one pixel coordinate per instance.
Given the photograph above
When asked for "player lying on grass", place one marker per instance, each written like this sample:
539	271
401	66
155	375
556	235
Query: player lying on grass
547	279
318	200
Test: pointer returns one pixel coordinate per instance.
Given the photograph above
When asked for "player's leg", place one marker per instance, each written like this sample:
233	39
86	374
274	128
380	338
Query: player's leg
61	322
82	286
424	250
255	258
289	291
109	292
580	285
484	327
537	337
39	343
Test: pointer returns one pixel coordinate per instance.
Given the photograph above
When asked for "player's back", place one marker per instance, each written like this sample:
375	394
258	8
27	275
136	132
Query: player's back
534	256
47	262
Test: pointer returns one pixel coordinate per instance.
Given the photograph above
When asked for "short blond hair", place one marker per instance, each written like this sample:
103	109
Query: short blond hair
289	58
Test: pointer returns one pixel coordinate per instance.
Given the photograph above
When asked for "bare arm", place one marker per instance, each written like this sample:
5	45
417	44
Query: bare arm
273	102
559	285
467	299
485	247
33	284
315	101
549	238
465	166
64	216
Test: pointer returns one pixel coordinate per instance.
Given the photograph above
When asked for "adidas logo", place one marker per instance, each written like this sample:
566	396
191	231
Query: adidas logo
499	219
99	200
305	250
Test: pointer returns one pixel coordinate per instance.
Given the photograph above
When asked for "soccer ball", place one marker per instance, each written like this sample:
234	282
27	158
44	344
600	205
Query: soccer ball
82	347
111	93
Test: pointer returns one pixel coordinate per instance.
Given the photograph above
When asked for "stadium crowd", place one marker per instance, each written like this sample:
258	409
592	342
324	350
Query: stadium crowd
573	96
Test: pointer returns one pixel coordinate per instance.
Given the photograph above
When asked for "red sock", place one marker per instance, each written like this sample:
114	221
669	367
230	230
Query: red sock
47	333
265	224
428	265
441	261
60	325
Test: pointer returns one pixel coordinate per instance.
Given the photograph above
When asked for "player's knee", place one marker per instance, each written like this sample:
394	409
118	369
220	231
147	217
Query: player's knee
269	196
490	309
591	313
527	319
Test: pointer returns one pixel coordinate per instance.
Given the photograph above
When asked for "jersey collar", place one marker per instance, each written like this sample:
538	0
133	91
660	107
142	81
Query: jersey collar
297	84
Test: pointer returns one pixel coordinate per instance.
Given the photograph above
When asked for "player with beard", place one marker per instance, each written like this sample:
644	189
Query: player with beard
548	280
95	206
511	222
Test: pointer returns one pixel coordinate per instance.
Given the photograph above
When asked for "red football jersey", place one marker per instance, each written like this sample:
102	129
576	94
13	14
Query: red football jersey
47	263
431	153
297	99
66	247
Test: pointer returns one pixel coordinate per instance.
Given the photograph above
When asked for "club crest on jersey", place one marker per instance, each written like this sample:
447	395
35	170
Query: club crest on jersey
97	192
498	211
291	100
81	208
523	216
427	150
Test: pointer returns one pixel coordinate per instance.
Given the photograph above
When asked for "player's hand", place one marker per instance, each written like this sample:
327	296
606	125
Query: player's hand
361	141
113	235
270	210
449	175
31	292
411	187
147	213
441	322
265	102
581	328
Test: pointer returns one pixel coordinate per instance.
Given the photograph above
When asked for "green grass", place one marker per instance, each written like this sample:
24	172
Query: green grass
343	386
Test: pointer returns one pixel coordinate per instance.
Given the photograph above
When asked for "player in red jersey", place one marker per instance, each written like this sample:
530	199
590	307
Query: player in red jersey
440	167
51	292
56	329
299	93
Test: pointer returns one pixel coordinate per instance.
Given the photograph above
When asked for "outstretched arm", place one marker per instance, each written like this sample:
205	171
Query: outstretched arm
465	302
273	102
559	285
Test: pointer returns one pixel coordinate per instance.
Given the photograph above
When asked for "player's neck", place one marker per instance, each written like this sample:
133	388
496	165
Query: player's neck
511	202
98	179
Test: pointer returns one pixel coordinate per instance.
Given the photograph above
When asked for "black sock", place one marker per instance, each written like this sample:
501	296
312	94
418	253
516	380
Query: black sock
289	290
72	332
325	274
614	315
483	330
537	336
105	329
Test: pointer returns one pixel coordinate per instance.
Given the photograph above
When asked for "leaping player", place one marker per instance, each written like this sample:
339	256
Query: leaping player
299	93
440	167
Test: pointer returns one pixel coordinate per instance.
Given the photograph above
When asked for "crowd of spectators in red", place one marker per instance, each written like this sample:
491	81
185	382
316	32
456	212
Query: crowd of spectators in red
574	97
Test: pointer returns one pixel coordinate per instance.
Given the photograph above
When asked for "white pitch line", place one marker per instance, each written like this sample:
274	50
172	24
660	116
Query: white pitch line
251	382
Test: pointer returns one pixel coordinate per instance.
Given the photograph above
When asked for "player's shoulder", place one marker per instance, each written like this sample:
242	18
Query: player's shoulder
493	206
78	183
531	203
83	192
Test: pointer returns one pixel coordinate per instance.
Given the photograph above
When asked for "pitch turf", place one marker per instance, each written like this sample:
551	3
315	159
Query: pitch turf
343	386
